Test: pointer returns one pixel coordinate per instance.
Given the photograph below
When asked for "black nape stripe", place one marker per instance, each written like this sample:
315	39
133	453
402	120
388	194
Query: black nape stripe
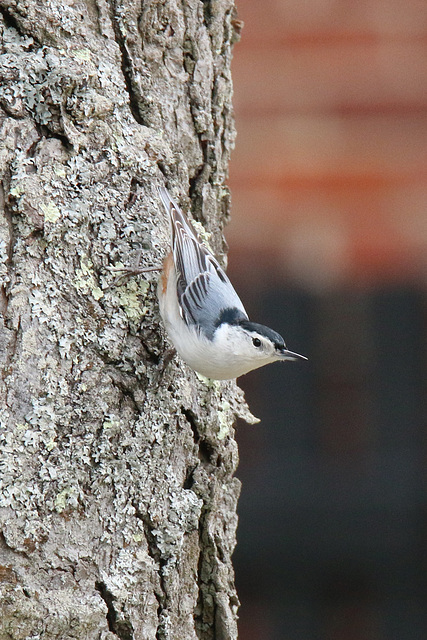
230	315
261	330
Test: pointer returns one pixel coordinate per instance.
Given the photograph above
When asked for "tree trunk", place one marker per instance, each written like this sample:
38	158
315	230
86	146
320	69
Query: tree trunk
117	496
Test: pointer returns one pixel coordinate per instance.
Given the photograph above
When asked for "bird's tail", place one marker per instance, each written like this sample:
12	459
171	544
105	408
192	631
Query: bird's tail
176	216
167	200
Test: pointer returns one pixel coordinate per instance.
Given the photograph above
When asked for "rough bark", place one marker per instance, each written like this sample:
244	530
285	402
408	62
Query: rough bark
117	496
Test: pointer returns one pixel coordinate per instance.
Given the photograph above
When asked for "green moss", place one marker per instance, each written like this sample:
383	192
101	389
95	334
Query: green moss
224	410
65	499
82	54
85	279
51	212
130	296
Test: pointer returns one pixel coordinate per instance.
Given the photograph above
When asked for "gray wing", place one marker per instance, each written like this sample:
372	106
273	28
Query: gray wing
203	289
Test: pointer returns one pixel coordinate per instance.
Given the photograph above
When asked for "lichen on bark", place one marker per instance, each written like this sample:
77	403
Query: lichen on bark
117	494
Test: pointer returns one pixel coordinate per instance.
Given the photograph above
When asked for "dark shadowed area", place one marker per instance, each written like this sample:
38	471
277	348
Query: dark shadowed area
329	247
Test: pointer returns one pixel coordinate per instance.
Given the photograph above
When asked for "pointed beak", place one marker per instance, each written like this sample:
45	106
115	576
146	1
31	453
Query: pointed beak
285	354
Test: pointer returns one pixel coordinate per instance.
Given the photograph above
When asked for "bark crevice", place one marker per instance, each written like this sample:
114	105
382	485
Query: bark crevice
10	20
126	61
121	628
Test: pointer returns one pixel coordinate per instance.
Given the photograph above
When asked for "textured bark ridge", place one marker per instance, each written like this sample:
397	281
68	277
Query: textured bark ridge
117	496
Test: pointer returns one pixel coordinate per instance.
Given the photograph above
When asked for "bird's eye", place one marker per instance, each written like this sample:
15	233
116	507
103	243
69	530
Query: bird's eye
256	342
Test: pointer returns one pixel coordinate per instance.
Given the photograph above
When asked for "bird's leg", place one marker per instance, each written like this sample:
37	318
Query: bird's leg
127	272
165	359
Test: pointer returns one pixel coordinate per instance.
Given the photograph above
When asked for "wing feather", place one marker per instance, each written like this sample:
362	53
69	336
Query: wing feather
203	288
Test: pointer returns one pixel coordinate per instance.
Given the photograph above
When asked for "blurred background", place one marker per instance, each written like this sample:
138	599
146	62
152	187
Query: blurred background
328	246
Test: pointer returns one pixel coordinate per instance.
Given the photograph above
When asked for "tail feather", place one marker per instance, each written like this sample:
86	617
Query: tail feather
176	215
168	202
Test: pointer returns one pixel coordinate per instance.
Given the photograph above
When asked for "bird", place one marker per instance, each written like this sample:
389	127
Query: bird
202	313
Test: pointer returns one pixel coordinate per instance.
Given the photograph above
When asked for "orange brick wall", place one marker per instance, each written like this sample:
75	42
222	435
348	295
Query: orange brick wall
329	175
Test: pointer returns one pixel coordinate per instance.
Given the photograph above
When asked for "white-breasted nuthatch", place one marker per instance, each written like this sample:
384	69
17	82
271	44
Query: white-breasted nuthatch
202	313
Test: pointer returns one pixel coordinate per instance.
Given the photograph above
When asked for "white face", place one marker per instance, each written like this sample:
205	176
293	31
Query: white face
258	347
247	349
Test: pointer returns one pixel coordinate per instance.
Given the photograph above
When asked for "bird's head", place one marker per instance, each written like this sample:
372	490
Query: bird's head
251	345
